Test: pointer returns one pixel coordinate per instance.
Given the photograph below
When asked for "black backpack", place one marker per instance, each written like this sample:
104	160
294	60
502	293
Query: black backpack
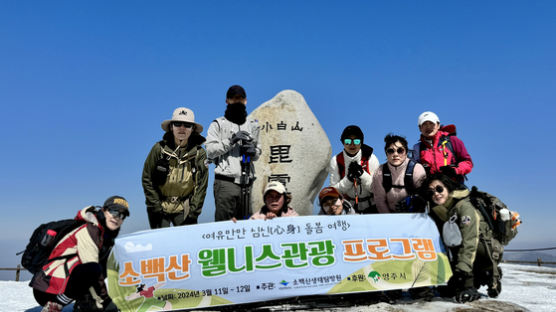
490	208
42	242
407	179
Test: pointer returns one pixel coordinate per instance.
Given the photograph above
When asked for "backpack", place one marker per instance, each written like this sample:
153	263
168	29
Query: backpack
407	180
366	153
499	218
444	140
42	242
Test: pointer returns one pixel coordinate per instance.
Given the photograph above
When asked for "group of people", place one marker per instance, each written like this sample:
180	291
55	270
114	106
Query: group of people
175	178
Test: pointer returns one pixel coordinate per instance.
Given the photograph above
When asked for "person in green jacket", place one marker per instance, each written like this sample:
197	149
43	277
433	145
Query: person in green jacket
175	174
473	252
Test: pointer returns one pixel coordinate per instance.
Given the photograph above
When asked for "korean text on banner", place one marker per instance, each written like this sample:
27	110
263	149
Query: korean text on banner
230	263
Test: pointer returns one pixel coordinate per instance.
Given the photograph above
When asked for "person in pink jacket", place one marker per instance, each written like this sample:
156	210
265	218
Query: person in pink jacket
396	179
439	150
276	200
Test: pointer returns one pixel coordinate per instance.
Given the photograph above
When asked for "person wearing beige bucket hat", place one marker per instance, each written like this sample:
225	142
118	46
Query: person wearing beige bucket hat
175	173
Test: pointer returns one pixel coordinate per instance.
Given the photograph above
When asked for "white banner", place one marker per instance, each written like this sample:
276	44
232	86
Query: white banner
254	260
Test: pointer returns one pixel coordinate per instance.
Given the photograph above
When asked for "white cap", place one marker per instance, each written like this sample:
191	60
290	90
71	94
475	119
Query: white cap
428	116
275	186
182	114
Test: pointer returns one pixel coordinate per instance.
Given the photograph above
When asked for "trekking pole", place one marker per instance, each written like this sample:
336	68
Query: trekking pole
356	194
244	182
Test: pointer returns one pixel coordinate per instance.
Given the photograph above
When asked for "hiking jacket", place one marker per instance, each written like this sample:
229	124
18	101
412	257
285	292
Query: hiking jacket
386	202
259	215
437	155
339	180
471	224
227	157
186	184
85	243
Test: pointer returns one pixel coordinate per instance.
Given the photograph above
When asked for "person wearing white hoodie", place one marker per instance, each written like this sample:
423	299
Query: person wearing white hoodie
352	169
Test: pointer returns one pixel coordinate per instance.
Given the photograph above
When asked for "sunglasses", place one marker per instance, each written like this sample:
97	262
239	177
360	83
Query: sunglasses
399	150
355	142
437	189
117	214
182	124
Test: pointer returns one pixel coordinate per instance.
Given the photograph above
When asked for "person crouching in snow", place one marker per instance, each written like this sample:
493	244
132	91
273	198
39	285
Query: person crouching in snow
81	276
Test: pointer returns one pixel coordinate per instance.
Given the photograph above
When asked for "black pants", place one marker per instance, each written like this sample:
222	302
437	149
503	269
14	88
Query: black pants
161	220
227	201
83	277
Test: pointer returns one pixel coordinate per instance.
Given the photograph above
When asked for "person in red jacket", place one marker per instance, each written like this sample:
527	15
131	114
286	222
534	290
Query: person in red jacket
81	276
439	150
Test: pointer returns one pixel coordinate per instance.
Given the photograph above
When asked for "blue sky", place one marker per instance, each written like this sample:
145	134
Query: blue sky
85	85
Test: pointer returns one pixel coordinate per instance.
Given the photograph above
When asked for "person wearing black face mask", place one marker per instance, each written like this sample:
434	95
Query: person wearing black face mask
232	145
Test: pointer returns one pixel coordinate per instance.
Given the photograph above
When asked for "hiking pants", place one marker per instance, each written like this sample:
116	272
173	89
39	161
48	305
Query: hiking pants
227	201
83	277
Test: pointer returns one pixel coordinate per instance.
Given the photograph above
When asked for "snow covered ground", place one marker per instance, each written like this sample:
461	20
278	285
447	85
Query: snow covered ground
531	287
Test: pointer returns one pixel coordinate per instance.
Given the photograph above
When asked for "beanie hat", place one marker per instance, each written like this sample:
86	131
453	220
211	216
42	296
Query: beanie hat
117	203
352	130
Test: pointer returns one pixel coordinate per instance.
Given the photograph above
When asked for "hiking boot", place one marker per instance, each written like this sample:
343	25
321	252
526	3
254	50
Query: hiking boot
51	306
424	293
494	290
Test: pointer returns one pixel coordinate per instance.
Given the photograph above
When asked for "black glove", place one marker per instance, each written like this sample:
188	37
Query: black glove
109	306
354	171
467	295
460	280
449	171
248	149
240	136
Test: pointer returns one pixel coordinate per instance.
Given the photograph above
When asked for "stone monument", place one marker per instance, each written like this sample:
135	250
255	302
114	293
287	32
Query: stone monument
295	151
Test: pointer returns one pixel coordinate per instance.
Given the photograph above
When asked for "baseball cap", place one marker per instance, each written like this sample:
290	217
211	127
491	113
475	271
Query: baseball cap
428	116
117	203
275	186
329	192
236	91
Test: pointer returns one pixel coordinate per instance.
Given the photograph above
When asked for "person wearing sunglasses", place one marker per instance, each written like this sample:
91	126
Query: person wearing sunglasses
351	170
233	146
333	203
439	150
398	179
471	248
175	173
79	271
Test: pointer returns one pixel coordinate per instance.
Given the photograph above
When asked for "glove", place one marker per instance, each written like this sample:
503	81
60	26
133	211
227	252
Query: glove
449	171
191	219
354	171
109	306
248	149
240	136
460	280
467	295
